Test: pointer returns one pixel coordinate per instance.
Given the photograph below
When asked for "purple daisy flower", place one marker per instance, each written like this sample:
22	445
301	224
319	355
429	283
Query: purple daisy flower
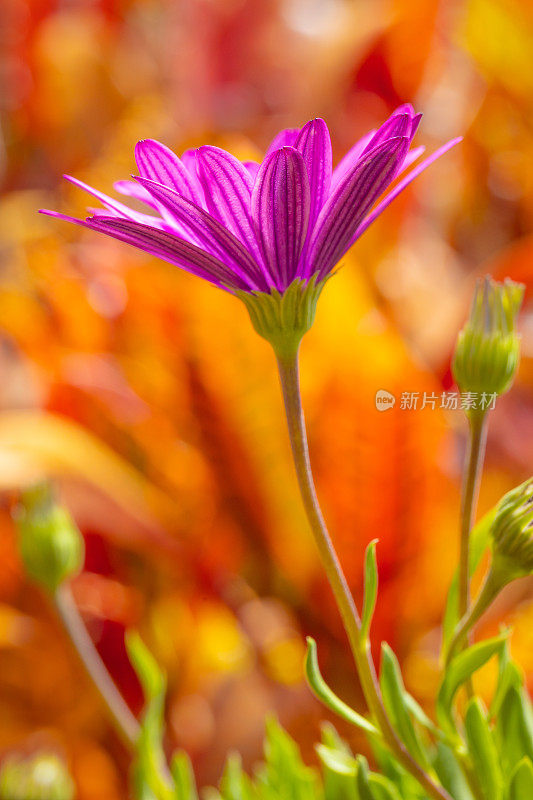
249	227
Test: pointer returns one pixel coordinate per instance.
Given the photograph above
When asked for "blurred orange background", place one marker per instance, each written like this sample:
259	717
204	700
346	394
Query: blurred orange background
149	399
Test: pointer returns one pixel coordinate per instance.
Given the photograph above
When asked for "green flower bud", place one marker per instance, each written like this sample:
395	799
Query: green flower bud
488	347
50	544
512	534
512	555
283	318
41	777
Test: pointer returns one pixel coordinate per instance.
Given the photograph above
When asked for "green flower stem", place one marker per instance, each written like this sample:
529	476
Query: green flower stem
119	713
490	589
289	377
471	480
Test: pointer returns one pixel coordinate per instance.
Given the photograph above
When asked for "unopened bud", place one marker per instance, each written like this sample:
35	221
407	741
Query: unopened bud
488	347
50	543
512	533
41	777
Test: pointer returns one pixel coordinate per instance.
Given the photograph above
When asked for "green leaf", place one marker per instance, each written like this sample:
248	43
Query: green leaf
235	785
509	674
327	696
150	770
152	679
450	773
183	776
407	786
393	691
371	588
479	542
482	750
461	668
514	729
363	783
521	782
382	788
422	718
331	738
340	773
284	774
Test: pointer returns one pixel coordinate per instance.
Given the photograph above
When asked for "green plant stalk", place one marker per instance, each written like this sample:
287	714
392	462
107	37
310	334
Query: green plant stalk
360	646
122	718
471	481
490	589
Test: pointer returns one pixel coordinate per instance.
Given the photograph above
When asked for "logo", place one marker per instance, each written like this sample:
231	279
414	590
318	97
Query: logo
384	400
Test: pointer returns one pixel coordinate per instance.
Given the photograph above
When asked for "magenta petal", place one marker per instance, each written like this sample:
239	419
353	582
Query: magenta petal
168	247
208	233
252	167
405	108
64	217
157	163
280	208
285	138
350	159
412	156
132	189
314	143
415	122
227	186
401	185
396	125
346	207
114	205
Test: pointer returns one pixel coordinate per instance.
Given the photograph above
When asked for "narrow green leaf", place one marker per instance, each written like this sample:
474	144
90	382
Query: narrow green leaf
284	774
407	786
514	729
422	718
150	769
382	788
479	542
363	784
521	781
393	691
147	669
183	775
339	772
450	773
235	785
482	750
371	588
461	668
509	674
327	696
337	761
331	738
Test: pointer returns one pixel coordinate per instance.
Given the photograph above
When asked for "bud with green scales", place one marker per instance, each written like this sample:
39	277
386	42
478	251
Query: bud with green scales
43	776
488	347
50	544
511	534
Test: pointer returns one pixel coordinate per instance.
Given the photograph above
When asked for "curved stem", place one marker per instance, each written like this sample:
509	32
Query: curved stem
119	712
289	377
471	481
489	590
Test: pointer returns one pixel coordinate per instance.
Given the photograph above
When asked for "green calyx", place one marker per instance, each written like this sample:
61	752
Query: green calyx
50	544
282	318
488	347
41	777
512	534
